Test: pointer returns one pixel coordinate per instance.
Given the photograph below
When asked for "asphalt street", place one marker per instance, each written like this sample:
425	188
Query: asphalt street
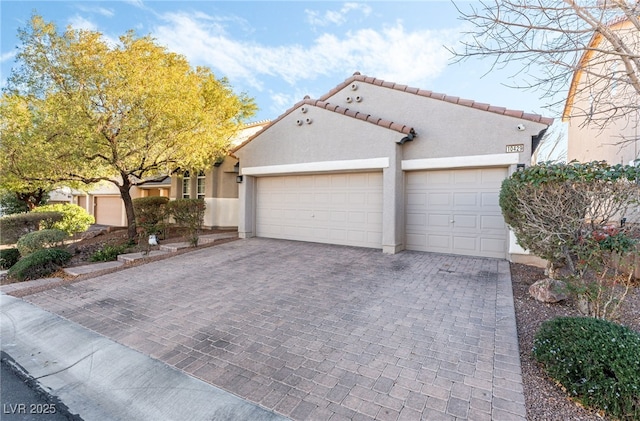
22	399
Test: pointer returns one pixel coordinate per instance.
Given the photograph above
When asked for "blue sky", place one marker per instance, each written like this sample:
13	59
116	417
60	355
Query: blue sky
279	51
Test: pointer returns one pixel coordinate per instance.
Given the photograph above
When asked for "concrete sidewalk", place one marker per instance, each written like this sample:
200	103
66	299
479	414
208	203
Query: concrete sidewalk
99	379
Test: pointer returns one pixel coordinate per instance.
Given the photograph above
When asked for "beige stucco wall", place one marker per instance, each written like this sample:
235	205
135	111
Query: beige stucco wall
613	140
444	129
329	137
332	141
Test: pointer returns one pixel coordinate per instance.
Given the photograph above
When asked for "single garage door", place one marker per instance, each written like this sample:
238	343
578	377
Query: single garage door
329	208
108	210
456	211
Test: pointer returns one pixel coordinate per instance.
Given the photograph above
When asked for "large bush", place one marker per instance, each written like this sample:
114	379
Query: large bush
570	215
189	214
13	227
9	257
39	264
39	240
151	214
74	218
596	361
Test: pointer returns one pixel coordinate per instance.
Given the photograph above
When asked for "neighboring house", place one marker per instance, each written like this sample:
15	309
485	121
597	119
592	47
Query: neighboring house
105	203
382	165
217	186
589	97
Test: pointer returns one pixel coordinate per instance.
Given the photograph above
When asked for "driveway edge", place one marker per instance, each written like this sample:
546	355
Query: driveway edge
100	379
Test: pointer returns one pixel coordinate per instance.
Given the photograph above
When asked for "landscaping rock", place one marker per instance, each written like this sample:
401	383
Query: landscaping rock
548	290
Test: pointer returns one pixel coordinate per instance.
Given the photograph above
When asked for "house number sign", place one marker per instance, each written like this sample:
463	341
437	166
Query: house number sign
515	148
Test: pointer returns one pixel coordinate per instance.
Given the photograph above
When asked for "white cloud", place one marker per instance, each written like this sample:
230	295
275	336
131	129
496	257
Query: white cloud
137	3
7	56
78	22
335	17
392	53
99	10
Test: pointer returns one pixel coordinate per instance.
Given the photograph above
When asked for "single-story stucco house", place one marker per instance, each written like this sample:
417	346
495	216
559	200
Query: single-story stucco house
377	164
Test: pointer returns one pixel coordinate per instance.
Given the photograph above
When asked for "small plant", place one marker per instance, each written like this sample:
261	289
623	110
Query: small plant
38	240
109	253
39	264
189	213
9	257
596	361
12	227
74	218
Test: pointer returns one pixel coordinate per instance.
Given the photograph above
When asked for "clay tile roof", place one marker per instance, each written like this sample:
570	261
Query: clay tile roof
404	129
426	93
322	103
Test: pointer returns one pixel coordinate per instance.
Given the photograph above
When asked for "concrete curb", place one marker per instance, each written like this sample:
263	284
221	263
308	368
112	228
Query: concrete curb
100	379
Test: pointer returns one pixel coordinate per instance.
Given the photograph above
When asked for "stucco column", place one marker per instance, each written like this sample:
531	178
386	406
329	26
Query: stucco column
393	204
246	217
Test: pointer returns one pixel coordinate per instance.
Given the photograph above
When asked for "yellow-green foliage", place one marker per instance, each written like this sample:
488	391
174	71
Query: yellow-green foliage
74	218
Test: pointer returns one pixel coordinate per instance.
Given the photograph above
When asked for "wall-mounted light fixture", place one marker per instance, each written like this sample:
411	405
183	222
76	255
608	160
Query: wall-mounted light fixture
238	179
520	167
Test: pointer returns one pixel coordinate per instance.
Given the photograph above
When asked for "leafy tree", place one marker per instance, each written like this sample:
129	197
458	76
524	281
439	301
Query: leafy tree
598	40
126	113
20	202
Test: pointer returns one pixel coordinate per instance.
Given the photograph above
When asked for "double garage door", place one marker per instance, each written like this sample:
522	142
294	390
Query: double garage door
447	211
329	208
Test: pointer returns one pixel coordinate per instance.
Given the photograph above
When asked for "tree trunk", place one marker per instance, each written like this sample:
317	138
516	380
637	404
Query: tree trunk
31	199
125	193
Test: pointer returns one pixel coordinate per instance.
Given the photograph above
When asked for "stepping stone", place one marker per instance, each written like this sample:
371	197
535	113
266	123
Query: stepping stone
94	267
132	257
204	239
17	286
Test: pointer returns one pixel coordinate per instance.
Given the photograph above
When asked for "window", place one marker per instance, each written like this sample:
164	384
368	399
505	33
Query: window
186	185
200	185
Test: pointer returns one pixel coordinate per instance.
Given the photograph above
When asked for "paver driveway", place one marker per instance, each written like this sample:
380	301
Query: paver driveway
317	331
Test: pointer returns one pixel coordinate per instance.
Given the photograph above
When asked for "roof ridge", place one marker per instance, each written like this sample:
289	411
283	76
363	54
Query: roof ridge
402	128
357	76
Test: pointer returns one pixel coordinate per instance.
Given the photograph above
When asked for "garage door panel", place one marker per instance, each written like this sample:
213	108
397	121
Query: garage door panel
440	242
461	214
438	220
416	219
492	222
438	199
344	209
465	199
416	199
464	222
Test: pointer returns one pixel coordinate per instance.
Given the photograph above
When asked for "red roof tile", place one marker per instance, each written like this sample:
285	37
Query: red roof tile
464	102
401	128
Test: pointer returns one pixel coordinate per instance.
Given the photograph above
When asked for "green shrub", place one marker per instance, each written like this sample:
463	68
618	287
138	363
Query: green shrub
150	214
597	361
39	264
189	214
108	253
9	257
38	240
75	218
12	227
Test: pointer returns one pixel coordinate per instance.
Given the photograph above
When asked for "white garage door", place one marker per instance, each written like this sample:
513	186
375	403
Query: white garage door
456	211
330	208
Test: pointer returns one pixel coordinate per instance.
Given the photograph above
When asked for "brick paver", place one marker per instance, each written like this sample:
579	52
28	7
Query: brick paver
317	331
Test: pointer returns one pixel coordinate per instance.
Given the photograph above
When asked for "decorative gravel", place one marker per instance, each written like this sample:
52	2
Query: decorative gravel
544	399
